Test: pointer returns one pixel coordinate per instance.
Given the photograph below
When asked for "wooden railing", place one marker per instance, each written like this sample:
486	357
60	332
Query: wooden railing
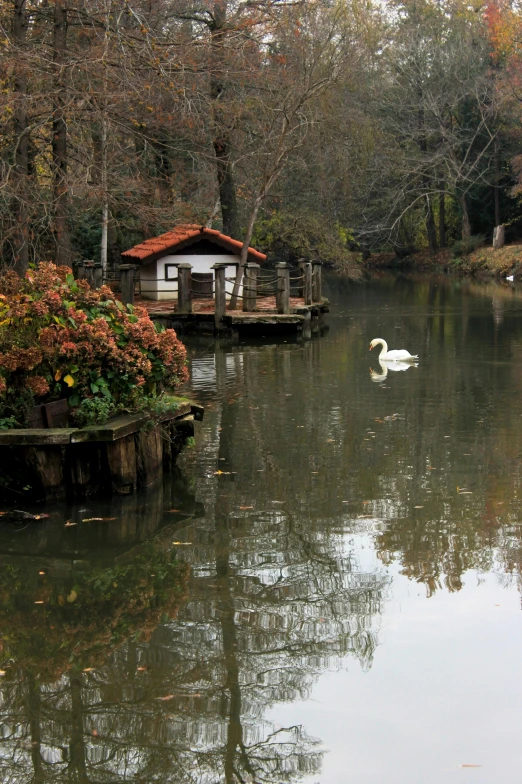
305	284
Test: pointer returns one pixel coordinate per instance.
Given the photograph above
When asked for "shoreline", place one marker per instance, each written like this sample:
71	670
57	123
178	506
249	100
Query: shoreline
485	262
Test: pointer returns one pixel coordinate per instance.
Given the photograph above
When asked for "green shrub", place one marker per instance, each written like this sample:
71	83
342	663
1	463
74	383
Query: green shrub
466	246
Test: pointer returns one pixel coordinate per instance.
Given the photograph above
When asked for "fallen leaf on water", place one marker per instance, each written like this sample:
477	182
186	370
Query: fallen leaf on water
182	544
246	507
61	600
142	669
94	733
2	673
168	697
68	524
40	601
72	597
366	502
41	572
88	669
217	473
173	510
418	507
96	519
41	516
330	440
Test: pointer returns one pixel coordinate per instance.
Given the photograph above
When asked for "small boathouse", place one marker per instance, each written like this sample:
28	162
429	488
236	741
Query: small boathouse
186	276
199	247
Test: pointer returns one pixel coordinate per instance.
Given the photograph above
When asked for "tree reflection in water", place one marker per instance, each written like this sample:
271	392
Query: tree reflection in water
273	603
319	467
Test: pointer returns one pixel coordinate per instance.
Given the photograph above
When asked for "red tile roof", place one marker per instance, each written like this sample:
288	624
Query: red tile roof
180	237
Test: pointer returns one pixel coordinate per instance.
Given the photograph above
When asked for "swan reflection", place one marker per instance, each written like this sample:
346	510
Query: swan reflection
393	366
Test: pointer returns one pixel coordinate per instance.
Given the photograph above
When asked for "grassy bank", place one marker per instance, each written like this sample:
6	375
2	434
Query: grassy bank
484	261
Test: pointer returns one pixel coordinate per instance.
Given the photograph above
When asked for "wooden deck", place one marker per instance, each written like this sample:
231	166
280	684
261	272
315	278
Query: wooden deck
264	304
202	316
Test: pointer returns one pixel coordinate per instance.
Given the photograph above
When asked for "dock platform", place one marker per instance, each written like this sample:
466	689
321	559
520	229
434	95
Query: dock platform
301	319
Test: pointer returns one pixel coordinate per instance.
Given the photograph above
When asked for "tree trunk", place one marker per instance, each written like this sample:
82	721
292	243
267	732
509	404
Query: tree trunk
442	217
430	226
77	748
430	220
221	136
21	140
33	704
59	141
466	226
244	251
496	189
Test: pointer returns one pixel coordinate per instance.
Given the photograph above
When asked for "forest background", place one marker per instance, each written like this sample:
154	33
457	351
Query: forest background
326	129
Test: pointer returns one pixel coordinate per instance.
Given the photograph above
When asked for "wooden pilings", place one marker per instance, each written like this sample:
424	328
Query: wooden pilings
92	273
307	292
220	292
128	452
184	287
127	283
317	293
82	267
250	287
283	288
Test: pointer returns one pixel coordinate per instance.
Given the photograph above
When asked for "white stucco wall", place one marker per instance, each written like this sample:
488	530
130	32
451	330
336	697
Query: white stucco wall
152	276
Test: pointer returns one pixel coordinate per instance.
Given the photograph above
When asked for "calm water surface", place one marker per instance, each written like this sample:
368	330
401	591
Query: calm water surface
354	538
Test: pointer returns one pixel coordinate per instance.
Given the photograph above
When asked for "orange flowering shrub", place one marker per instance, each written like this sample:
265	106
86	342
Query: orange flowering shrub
60	338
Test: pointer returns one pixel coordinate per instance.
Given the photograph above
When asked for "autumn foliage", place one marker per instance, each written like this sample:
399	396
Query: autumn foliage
61	339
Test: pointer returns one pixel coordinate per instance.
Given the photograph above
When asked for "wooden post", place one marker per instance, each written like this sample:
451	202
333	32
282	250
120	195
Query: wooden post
300	287
184	287
307	268
317	292
81	273
283	287
88	272
97	276
307	325
250	287
220	292
127	283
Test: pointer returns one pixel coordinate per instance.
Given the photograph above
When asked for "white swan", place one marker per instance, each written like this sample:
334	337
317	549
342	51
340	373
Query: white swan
387	365
397	355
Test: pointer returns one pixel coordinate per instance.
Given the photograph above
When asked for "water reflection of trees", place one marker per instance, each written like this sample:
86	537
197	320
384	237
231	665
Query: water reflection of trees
279	591
273	603
454	450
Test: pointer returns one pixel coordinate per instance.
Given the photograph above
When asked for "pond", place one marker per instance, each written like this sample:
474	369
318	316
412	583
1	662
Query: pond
348	550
